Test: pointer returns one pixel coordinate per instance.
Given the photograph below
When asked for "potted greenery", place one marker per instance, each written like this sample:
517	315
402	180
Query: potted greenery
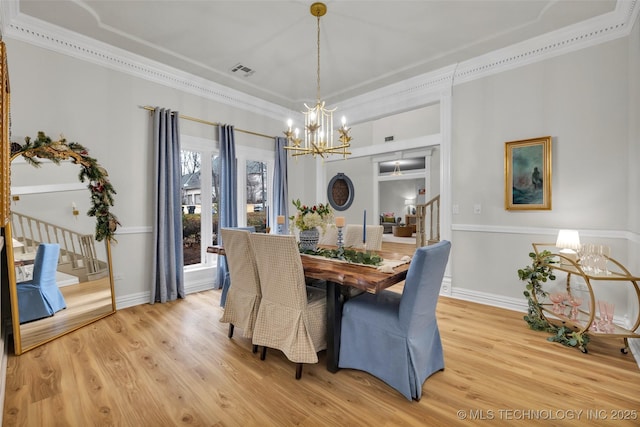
539	272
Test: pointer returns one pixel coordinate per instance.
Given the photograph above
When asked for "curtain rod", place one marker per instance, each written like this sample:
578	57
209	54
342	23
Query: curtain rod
195	119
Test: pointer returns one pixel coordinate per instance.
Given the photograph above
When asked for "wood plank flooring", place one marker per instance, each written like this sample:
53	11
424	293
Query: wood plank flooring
173	365
86	302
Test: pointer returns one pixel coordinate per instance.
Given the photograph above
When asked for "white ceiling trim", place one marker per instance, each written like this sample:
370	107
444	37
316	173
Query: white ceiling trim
406	146
399	97
613	25
427	88
36	32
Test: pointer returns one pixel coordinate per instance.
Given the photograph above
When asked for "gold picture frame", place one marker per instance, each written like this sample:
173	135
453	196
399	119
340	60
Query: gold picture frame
527	174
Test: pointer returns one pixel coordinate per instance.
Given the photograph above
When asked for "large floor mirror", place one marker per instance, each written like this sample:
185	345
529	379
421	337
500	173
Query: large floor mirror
60	275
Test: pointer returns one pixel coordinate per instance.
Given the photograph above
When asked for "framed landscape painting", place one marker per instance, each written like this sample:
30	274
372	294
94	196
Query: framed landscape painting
527	174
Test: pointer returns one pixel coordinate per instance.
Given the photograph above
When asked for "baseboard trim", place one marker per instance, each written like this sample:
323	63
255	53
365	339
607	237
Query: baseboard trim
520	305
145	297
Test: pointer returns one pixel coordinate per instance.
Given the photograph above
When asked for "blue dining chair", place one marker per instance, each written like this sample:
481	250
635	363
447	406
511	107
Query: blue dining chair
40	297
395	337
227	276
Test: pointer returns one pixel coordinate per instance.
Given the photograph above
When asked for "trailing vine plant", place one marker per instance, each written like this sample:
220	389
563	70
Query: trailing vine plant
42	147
540	271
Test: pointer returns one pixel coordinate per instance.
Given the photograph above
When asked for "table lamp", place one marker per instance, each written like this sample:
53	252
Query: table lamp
408	203
569	242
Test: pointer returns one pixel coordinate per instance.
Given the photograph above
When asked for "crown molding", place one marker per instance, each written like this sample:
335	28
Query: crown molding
24	28
591	32
393	99
429	87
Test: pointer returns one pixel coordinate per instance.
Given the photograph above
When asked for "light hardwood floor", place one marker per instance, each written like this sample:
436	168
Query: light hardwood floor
172	364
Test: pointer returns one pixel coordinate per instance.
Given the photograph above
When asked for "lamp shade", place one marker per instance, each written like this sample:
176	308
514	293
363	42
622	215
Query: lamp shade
568	239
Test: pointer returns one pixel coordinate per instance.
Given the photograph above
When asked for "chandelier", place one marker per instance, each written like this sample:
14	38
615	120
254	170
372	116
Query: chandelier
396	170
318	120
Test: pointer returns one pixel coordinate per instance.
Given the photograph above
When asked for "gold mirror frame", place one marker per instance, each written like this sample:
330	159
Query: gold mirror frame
106	224
5	145
101	200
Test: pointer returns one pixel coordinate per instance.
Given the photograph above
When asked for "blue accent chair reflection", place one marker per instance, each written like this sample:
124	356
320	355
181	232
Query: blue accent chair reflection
393	336
41	297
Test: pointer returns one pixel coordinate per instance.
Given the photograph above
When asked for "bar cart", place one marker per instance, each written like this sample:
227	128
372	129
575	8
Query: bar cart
571	311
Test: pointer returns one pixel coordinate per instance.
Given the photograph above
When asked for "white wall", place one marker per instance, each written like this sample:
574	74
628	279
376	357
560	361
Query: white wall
633	195
581	100
633	158
99	108
360	171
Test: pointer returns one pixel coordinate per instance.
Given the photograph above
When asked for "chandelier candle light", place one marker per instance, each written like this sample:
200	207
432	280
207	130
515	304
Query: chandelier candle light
318	120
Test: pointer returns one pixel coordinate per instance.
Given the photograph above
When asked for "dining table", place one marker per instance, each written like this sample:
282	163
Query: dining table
341	278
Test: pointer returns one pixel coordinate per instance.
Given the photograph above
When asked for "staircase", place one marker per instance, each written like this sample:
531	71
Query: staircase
428	222
78	255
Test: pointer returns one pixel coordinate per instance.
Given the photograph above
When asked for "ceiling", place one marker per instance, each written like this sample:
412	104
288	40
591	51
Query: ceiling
365	45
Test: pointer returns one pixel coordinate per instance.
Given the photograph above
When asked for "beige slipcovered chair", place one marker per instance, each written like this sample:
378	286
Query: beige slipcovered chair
243	298
353	237
292	318
329	236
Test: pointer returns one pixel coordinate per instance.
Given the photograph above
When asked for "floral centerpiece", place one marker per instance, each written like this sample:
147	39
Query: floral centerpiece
310	217
307	219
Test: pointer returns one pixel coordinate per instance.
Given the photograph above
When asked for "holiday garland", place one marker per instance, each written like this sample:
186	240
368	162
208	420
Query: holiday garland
42	147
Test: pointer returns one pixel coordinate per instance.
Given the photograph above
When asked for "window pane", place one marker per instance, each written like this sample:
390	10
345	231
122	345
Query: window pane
257	205
191	208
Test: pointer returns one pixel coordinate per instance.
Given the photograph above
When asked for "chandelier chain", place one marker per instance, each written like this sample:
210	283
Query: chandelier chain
318	70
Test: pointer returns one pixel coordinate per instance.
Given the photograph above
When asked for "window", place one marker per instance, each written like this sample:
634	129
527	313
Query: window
255	181
256	184
200	187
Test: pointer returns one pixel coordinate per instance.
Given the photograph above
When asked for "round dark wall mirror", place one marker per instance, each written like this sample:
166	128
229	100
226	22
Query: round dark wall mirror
340	192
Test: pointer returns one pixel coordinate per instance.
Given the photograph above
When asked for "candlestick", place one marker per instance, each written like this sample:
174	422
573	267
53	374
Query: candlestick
340	240
364	228
280	222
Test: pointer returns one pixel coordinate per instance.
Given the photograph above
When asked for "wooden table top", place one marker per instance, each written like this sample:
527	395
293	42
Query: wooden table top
364	277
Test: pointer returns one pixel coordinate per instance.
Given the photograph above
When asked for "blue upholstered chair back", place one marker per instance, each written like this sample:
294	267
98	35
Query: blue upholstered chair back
396	337
419	296
46	264
41	297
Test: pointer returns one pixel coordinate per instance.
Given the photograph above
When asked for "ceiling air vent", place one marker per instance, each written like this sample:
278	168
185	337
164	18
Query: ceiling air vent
239	68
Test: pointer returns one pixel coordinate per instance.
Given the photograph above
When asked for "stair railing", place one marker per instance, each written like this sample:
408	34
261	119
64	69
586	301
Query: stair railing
428	222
